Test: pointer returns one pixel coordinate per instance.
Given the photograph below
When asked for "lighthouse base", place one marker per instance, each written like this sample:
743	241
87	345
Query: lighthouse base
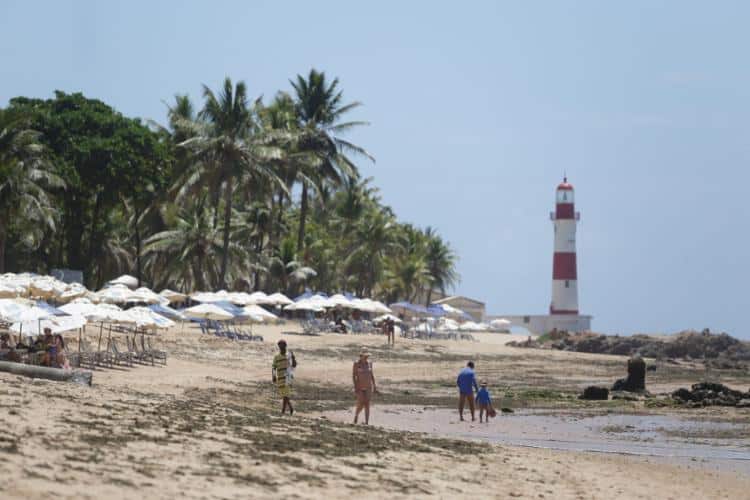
539	324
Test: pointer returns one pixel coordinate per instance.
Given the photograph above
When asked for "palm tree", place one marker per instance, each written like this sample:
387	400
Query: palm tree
227	145
25	175
441	263
319	110
287	270
185	255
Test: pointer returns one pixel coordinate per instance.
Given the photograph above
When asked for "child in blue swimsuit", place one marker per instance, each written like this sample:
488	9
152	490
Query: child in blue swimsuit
484	402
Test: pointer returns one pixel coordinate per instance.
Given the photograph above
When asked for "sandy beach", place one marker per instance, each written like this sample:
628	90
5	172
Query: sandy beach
207	425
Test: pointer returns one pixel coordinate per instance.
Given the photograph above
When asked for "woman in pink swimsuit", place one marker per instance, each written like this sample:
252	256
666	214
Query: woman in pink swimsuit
364	385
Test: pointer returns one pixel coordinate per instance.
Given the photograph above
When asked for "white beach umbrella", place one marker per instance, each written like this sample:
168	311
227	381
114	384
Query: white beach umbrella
500	324
116	294
257	311
451	311
173	296
337	300
143	316
240	298
144	295
384	317
57	324
10	309
306	305
72	291
125	280
258	298
45	287
9	290
207	311
204	297
279	299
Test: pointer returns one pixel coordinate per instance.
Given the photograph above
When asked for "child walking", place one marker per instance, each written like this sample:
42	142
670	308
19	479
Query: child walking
484	402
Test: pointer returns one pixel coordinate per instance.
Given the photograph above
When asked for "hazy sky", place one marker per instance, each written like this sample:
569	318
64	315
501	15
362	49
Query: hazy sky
477	109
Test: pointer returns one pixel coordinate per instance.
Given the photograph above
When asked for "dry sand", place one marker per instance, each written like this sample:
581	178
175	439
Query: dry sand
206	425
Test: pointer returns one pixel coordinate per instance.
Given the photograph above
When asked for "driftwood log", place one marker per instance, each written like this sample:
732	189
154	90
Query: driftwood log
77	376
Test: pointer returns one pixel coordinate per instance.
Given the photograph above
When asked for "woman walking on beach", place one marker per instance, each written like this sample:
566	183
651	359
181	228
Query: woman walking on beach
364	385
282	372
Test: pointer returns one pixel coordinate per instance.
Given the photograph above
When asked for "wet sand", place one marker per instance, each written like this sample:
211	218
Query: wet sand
668	439
207	425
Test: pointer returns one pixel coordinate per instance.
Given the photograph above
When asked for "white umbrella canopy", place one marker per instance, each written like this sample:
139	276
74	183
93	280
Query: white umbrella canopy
204	297
338	300
9	290
144	316
384	317
257	311
72	291
451	311
207	311
173	296
10	309
145	296
112	314
81	307
46	287
447	324
280	299
58	324
500	323
259	298
116	294
240	298
310	304
125	280
471	326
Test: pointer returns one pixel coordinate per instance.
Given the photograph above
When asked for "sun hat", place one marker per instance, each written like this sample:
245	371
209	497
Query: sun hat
484	382
364	353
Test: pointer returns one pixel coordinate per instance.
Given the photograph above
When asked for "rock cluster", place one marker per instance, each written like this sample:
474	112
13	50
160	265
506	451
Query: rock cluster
711	394
715	350
595	393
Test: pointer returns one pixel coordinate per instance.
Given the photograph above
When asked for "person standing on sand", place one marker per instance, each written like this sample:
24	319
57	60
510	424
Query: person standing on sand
484	402
364	385
467	384
282	372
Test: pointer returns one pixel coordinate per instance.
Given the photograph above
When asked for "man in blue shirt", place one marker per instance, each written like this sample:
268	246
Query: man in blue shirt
467	384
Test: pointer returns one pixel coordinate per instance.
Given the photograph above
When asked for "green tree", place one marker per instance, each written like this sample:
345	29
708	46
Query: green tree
320	111
25	176
228	145
441	264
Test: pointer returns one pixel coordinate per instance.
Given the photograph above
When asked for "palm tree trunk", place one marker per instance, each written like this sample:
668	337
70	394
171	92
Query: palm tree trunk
227	221
302	217
137	233
429	296
3	237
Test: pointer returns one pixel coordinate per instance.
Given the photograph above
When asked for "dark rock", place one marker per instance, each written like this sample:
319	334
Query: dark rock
636	379
506	410
593	392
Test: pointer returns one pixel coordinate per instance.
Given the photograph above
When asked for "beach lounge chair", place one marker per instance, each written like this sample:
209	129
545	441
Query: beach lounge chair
156	353
118	355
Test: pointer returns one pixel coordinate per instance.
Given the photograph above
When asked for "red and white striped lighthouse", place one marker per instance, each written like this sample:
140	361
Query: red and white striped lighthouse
564	273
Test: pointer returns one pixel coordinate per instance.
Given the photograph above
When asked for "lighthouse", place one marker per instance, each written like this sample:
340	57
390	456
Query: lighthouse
563	310
564	268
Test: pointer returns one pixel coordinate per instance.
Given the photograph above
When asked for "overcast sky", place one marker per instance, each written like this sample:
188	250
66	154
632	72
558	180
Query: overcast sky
477	110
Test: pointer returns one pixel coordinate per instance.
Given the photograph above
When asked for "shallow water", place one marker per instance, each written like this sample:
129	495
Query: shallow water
665	438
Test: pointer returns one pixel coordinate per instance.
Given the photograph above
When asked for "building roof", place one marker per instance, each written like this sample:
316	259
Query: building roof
565	185
454	297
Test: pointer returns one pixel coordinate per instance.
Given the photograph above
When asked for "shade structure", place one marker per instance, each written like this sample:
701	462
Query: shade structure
256	311
471	326
338	300
173	296
145	296
167	312
115	294
72	292
501	324
207	311
259	298
10	309
235	311
384	317
46	287
279	299
145	317
57	324
450	311
411	309
50	309
125	280
312	304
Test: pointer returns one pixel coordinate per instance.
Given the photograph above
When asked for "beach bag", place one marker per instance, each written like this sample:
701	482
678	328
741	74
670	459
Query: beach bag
491	412
294	360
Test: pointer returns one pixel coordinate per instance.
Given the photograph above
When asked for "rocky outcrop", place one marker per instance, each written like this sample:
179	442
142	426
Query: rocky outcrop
595	393
711	394
636	379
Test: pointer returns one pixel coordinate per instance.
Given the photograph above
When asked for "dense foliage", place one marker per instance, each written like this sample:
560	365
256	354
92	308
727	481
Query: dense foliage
240	194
